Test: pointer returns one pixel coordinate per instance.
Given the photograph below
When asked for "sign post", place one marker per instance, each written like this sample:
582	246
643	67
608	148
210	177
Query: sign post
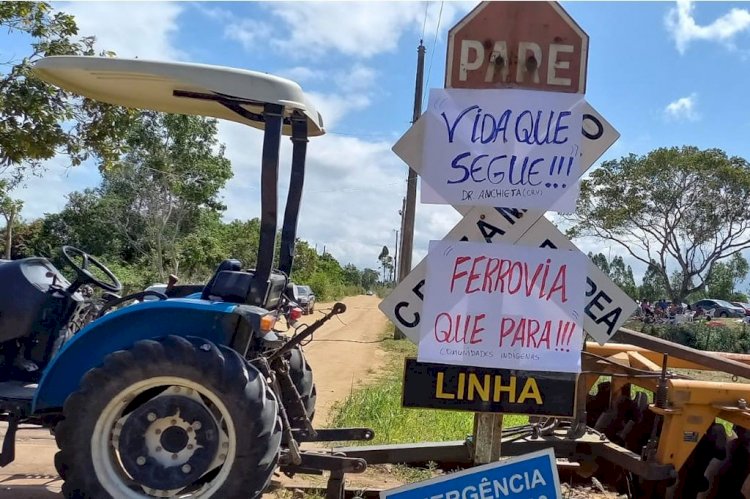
534	57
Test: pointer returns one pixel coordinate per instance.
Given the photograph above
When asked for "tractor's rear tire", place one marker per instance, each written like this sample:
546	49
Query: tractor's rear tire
302	377
179	414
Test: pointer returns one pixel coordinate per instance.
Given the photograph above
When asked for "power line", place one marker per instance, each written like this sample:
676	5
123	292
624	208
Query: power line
424	23
434	44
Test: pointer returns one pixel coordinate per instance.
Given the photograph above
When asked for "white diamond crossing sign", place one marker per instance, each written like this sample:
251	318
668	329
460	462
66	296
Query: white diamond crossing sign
607	306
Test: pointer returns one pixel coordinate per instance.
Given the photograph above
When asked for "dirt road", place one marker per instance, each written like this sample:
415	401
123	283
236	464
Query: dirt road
343	354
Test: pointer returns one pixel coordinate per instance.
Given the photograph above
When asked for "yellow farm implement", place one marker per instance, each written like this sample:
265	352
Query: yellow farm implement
643	425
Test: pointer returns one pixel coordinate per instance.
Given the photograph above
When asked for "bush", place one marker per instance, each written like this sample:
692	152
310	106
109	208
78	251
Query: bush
702	335
328	288
134	278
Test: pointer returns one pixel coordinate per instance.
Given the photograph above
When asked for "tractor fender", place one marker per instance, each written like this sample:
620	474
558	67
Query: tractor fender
118	330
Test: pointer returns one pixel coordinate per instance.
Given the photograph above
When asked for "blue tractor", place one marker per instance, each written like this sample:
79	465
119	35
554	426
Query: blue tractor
195	396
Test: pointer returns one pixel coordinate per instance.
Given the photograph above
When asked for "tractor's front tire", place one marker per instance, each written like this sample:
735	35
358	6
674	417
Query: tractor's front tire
179	416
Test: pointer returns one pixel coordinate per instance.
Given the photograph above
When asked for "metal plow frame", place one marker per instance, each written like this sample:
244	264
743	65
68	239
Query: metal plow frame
667	444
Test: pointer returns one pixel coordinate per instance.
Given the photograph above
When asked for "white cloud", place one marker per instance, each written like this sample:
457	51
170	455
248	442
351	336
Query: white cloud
302	74
352	193
362	29
215	13
432	222
335	107
352	93
683	109
48	193
249	32
354	187
353	89
684	29
144	29
357	78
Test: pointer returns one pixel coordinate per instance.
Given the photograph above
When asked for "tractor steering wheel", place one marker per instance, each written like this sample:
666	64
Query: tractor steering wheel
84	276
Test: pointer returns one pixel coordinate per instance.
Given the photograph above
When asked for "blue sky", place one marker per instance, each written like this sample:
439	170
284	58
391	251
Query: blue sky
662	73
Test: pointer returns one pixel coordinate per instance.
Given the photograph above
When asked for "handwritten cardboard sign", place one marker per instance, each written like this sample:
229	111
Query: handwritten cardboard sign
498	305
501	147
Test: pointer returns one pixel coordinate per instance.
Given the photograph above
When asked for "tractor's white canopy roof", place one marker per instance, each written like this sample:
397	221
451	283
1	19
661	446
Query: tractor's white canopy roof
146	84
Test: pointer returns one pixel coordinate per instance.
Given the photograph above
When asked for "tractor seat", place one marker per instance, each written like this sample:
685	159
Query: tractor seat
224	285
232	284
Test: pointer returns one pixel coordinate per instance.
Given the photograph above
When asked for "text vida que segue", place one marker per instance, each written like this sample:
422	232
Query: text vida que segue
532	128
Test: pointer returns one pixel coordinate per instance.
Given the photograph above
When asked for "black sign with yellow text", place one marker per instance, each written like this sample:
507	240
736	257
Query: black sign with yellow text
479	389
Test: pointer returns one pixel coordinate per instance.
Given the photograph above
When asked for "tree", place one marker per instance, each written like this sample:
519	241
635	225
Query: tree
35	117
383	259
388	265
25	238
725	278
9	209
172	172
203	247
305	260
86	222
652	288
369	278
682	208
622	275
352	275
241	240
600	261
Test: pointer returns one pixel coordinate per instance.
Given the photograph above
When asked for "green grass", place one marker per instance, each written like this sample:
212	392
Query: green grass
378	406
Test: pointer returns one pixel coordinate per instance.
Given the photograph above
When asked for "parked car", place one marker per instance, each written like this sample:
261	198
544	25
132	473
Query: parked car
744	306
305	298
721	308
370	293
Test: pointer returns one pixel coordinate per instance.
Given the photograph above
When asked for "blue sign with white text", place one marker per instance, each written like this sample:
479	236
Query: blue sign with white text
531	476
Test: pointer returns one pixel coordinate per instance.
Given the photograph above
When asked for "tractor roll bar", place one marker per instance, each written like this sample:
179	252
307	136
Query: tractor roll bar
269	180
296	183
273	118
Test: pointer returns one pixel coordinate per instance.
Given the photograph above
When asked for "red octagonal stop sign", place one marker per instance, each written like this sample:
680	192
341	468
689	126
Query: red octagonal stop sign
534	45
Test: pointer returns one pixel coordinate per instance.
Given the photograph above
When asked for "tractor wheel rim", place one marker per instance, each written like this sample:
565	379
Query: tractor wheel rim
108	464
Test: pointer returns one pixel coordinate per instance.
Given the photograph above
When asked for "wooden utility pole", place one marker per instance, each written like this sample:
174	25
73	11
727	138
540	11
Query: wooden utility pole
400	275
407	233
395	258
